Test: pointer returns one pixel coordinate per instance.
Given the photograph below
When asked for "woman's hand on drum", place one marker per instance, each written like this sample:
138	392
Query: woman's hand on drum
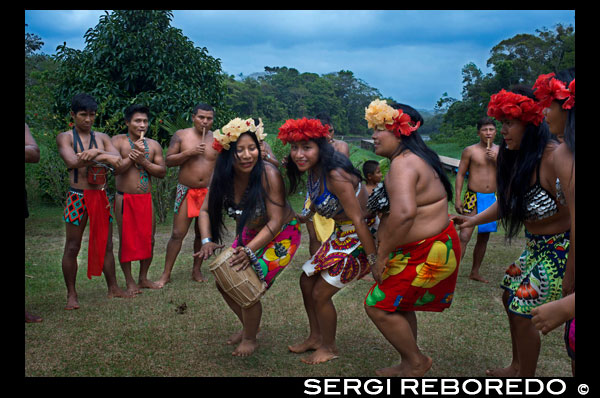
239	259
207	250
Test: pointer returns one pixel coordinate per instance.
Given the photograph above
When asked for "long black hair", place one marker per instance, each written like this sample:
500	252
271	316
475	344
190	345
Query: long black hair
221	190
515	168
329	159
416	145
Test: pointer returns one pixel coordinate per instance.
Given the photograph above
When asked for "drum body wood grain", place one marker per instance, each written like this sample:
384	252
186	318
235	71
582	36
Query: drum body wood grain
242	286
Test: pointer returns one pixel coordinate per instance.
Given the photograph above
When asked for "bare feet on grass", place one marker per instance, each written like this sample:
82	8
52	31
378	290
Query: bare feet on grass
117	292
148	284
322	354
72	302
30	318
477	277
198	276
312	343
133	289
407	370
509	371
237	337
246	348
163	281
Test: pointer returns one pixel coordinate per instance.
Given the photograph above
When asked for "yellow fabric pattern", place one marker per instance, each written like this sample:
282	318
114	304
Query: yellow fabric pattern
323	226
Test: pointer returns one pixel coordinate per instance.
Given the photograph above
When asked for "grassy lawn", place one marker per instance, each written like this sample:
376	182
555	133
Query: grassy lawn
151	336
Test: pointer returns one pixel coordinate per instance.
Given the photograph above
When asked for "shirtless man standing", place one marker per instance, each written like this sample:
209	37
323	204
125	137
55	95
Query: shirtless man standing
142	158
80	148
479	161
196	159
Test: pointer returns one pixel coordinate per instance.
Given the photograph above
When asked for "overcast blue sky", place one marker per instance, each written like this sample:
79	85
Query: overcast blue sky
412	56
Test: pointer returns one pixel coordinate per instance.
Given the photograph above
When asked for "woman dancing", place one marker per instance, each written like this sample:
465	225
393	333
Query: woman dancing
419	250
529	195
556	93
252	192
335	190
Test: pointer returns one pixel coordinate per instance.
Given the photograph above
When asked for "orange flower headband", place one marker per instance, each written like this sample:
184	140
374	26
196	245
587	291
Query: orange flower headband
547	89
380	116
294	130
507	105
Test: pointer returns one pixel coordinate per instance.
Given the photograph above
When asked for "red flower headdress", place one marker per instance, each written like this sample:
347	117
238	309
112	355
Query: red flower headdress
547	88
304	129
507	105
379	115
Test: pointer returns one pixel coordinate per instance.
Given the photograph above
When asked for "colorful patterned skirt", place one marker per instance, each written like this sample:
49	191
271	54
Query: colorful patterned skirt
341	259
419	276
536	276
277	254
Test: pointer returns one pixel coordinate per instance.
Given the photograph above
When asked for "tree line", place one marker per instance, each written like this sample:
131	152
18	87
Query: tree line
137	56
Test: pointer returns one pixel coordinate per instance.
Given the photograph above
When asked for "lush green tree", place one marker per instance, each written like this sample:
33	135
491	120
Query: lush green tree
137	56
516	60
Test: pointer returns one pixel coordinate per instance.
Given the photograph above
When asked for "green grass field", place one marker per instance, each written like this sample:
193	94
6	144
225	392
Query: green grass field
151	335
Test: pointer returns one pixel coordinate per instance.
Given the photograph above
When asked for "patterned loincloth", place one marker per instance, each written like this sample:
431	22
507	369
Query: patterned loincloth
195	198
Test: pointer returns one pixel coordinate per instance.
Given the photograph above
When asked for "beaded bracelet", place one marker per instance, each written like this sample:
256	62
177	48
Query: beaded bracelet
372	259
254	261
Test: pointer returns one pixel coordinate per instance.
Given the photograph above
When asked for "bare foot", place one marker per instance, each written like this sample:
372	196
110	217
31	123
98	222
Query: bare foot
133	289
163	281
477	277
117	292
312	343
235	338
148	284
30	318
322	354
198	276
246	348
72	303
510	371
406	370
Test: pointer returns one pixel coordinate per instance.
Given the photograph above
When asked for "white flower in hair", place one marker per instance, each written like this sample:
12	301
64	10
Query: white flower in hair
231	132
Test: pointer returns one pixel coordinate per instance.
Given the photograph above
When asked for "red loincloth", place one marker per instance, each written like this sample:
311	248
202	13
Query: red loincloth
136	232
195	197
98	210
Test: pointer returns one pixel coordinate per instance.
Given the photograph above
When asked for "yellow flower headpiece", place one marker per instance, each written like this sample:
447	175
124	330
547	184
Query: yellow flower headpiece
231	132
380	116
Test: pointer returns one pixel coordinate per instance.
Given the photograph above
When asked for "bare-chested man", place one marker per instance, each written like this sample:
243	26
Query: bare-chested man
479	161
142	159
190	149
81	149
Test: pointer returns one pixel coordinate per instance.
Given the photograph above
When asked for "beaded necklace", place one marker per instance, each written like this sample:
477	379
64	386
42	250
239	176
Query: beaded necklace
313	186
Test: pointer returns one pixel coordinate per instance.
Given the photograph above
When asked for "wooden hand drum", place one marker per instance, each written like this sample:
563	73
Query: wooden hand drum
242	286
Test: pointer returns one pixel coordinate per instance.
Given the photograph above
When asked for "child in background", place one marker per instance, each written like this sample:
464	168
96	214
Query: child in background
372	174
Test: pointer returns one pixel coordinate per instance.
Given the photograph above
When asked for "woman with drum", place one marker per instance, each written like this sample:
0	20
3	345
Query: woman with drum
267	234
335	190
